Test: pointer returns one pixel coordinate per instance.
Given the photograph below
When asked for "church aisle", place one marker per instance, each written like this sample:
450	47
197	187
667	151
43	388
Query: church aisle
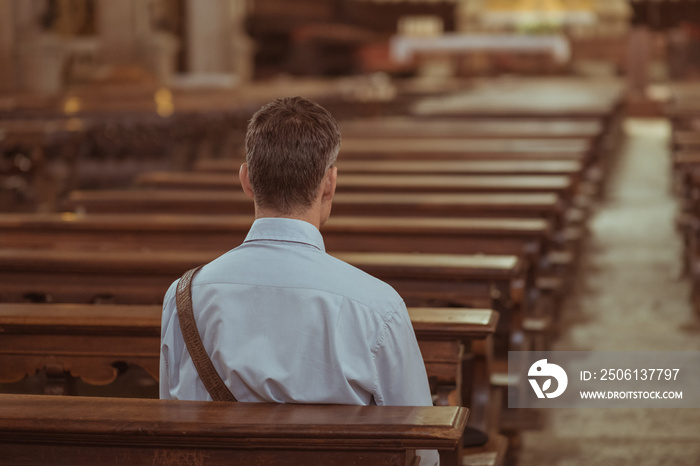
629	295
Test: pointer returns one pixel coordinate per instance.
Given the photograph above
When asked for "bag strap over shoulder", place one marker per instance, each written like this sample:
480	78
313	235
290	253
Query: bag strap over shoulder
211	379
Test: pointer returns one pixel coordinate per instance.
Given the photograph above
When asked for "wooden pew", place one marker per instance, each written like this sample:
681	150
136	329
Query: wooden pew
439	147
162	201
684	113
528	238
685	163
45	430
127	277
686	170
142	277
52	146
570	168
478	153
561	185
510	128
688	222
538	100
688	140
547	206
85	341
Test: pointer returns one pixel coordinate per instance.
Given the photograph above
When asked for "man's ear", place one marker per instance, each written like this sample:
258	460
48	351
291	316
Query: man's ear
329	183
245	181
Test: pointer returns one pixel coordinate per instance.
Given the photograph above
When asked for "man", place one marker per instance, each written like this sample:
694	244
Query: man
281	319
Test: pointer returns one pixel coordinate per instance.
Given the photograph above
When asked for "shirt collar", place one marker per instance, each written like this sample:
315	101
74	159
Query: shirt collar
285	229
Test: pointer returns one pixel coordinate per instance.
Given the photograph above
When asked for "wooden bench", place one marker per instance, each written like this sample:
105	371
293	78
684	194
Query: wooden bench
378	147
688	222
126	277
482	152
529	239
163	201
52	146
585	182
570	168
684	112
561	185
685	163
524	237
547	206
689	140
86	341
510	128
541	100
43	430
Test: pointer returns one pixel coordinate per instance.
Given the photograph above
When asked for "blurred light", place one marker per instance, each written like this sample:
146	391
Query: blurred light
164	102
532	12
71	106
69	217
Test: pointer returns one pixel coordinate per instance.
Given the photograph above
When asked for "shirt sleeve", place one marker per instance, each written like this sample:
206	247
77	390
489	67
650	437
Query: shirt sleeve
401	376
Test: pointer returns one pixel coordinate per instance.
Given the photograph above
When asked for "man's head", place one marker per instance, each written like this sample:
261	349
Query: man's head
291	146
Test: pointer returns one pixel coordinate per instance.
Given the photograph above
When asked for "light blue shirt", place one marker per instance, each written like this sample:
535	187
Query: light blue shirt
285	322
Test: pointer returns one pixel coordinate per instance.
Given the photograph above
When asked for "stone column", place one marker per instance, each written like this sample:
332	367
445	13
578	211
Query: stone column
217	43
127	37
157	49
206	28
38	54
116	24
242	47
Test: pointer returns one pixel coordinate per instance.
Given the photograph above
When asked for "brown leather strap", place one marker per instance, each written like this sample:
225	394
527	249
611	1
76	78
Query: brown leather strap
211	379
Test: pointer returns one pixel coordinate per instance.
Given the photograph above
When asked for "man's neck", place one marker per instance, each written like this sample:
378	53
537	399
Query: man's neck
312	216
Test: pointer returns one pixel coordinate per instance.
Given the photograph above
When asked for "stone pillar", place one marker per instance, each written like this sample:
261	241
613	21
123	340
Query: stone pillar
128	38
241	46
216	39
38	55
206	28
116	25
157	53
40	64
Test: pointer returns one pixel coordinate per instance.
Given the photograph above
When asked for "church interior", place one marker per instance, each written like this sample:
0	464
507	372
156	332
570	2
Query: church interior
523	172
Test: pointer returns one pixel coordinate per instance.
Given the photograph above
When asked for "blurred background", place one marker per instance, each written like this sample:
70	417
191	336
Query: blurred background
163	61
96	96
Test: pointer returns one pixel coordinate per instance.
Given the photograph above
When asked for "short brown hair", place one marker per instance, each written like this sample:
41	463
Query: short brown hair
290	145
